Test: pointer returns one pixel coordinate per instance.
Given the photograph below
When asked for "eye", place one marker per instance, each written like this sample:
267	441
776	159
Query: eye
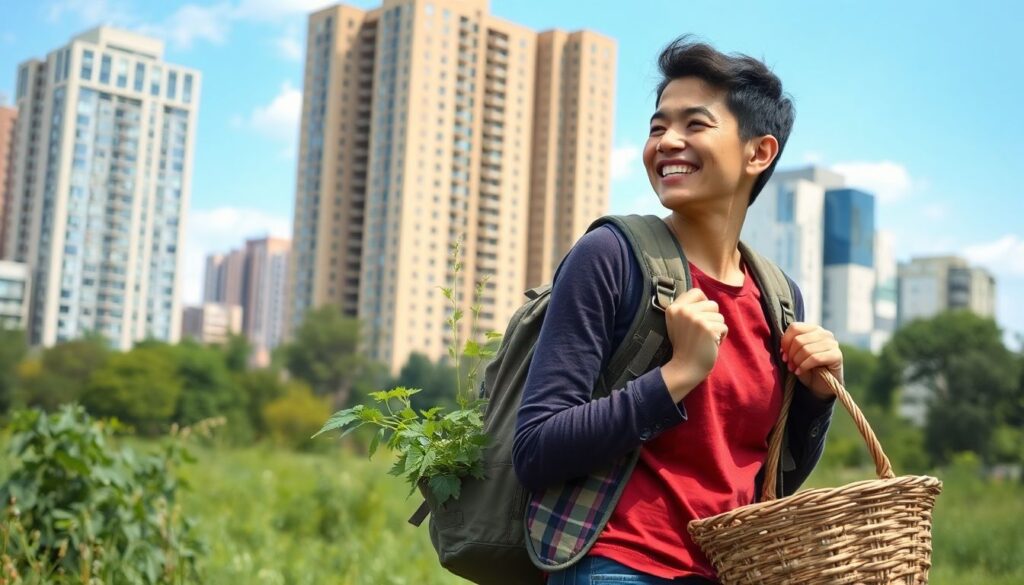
656	129
697	123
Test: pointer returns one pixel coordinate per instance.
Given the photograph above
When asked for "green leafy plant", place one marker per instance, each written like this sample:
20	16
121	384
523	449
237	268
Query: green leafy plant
435	449
80	510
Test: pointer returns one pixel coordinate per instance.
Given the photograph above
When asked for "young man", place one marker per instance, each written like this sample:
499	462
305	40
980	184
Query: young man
702	420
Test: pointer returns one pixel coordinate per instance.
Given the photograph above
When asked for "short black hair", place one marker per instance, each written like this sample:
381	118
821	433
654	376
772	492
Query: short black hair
754	93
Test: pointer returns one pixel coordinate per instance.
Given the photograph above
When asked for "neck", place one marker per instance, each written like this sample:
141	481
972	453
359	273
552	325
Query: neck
710	240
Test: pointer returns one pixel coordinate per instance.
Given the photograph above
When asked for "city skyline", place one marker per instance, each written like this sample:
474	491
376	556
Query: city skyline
902	102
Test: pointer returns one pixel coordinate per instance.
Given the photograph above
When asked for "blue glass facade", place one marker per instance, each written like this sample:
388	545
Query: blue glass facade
849	227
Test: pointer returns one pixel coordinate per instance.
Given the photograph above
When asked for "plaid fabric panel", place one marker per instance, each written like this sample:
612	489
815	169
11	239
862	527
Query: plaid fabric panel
566	519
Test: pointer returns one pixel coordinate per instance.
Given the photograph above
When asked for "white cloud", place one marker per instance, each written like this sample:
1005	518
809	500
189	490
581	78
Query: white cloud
212	231
279	120
625	161
1002	256
289	45
888	181
192	23
935	211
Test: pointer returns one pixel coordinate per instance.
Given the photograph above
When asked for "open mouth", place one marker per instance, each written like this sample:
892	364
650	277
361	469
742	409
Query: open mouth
670	170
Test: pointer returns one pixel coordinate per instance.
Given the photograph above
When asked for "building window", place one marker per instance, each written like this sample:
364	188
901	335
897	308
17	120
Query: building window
172	85
122	72
140	76
154	86
186	89
105	69
86	73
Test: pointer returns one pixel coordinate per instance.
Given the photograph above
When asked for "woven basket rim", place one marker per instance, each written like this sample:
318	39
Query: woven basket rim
822	493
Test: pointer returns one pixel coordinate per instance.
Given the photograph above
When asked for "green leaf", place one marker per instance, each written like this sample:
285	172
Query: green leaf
445	487
457	315
492	335
472	349
408	413
447	292
340	419
375	443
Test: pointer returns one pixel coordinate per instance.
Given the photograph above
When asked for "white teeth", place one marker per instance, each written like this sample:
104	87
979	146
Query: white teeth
678	169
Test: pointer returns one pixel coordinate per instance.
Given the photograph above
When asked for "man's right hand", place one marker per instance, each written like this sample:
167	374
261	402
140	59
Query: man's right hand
695	329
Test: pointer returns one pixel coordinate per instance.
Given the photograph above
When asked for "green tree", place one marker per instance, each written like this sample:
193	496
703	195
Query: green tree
293	418
12	350
437	380
971	375
236	353
140	386
260	387
325	355
859	367
58	375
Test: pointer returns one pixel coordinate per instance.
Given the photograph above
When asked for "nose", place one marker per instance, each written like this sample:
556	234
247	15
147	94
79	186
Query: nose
671	141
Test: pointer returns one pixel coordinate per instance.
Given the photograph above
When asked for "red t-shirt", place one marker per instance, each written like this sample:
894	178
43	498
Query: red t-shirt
707	464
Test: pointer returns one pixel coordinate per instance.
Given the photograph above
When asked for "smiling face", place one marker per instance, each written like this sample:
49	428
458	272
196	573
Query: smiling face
694	154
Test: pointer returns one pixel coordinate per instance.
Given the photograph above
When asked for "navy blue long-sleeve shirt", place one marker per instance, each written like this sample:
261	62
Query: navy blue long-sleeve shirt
560	432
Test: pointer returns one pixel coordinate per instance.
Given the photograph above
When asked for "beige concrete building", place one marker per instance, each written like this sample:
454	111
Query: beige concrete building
224	279
266	276
101	183
928	286
428	121
211	322
14	295
8	121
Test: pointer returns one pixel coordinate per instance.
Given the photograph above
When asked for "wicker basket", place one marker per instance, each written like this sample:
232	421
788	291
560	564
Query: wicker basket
875	531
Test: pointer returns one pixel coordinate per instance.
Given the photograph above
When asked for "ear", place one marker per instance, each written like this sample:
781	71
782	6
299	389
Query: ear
760	152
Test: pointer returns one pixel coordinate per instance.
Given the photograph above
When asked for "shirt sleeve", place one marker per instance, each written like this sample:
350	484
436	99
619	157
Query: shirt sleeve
560	432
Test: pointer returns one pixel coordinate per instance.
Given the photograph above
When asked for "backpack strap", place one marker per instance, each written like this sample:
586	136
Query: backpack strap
778	300
666	275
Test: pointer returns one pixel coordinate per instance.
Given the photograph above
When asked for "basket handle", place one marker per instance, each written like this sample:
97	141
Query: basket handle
882	466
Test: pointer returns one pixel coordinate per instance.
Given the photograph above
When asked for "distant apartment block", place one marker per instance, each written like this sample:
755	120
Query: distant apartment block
8	122
848	286
254	278
928	286
102	169
428	121
14	295
786	224
211	322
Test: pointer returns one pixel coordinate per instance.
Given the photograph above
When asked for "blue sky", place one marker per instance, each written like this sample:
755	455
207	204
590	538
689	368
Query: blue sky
918	102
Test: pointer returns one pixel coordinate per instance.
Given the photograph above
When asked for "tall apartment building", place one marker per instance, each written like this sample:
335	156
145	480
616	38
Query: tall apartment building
8	122
928	286
254	279
211	322
428	121
14	295
224	279
266	277
786	224
101	182
848	286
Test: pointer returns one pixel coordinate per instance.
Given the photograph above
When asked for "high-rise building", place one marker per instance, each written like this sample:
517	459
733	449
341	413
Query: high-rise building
886	290
101	184
428	121
211	322
848	286
253	278
266	274
8	122
785	224
14	295
928	286
224	280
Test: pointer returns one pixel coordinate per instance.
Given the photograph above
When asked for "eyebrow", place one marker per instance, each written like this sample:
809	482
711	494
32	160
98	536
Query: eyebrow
685	112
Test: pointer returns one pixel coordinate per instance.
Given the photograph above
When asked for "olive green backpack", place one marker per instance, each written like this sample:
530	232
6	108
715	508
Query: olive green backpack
496	532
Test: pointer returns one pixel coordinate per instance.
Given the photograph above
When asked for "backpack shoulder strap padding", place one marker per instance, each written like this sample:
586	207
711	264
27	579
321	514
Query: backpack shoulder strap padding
665	275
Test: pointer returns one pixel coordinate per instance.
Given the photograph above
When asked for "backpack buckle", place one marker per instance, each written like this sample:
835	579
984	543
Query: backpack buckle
664	293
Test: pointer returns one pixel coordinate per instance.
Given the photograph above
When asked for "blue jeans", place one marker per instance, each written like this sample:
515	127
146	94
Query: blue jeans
596	570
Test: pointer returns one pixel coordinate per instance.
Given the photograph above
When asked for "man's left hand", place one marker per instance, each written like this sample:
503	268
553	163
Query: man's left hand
806	347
